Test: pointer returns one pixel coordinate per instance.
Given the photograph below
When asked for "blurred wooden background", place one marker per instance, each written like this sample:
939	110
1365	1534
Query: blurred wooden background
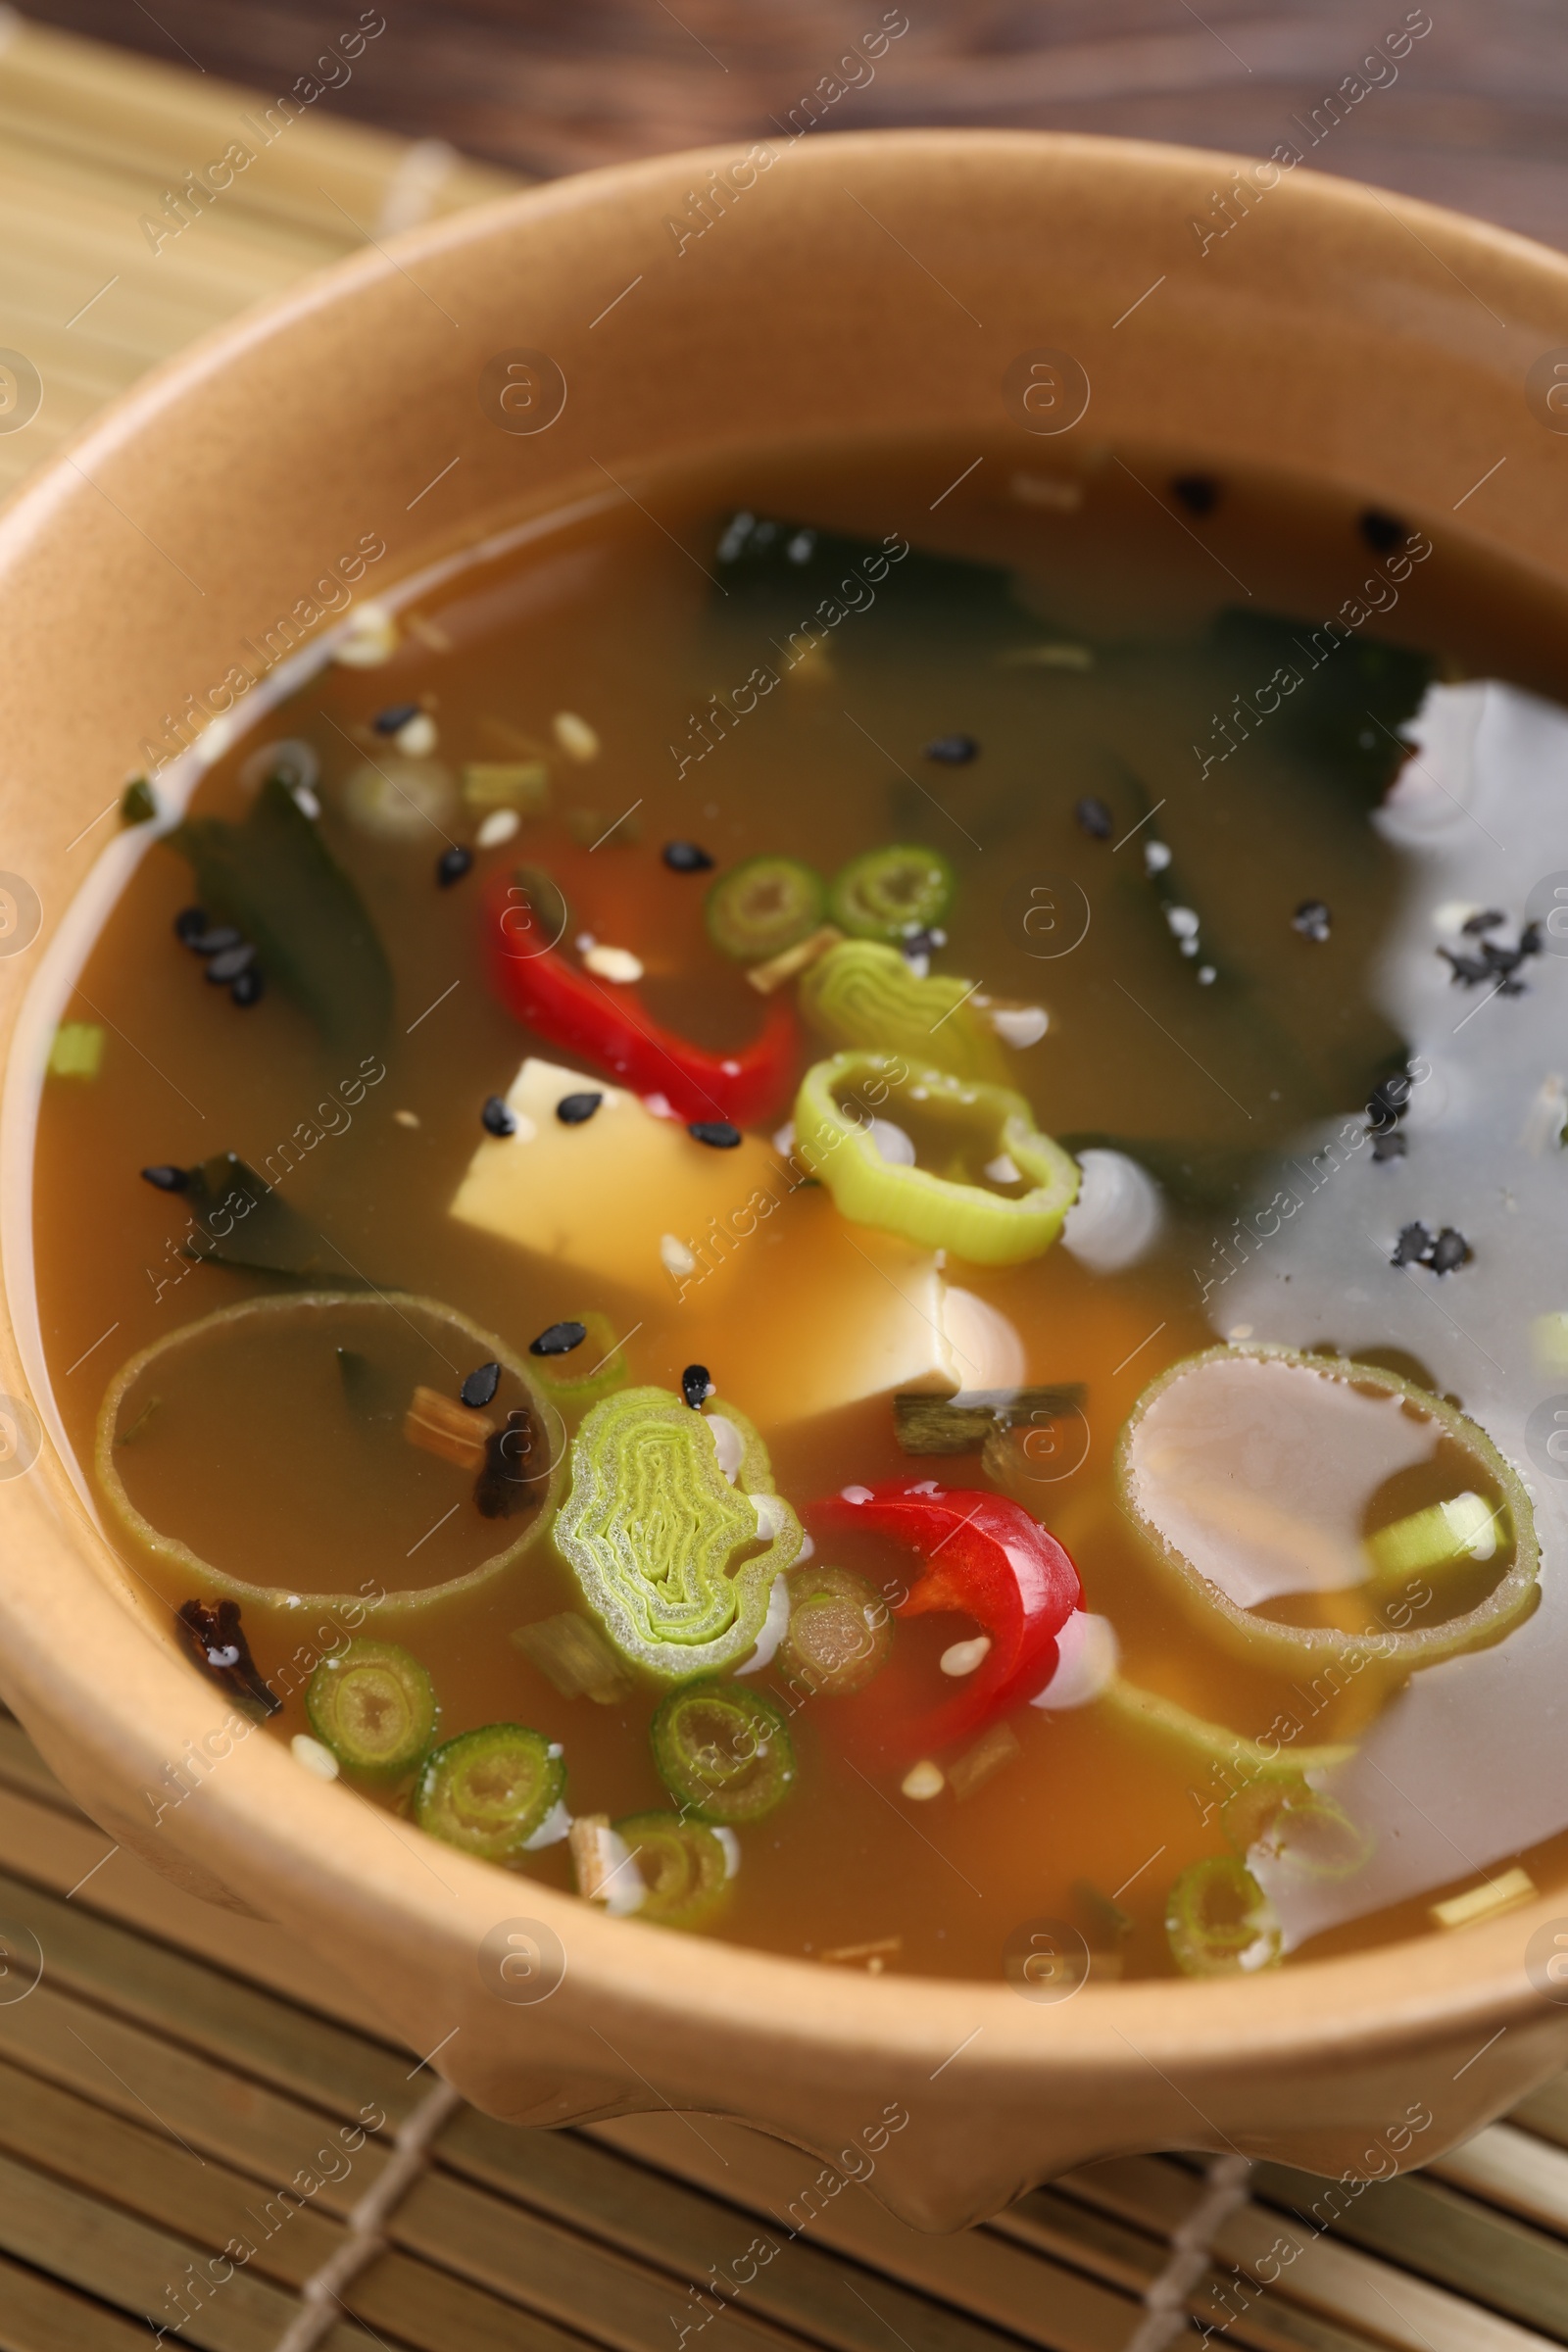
1478	118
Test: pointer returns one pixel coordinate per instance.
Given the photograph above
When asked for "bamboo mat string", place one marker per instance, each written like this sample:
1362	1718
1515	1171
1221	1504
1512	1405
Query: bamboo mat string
1168	2299
319	2296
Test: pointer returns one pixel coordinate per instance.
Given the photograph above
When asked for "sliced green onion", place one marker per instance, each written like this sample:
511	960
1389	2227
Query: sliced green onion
862	994
676	1545
683	1864
1219	1921
489	1790
1468	1527
373	1705
838	1631
939	1212
724	1752
891	892
1309	1832
572	1653
764	905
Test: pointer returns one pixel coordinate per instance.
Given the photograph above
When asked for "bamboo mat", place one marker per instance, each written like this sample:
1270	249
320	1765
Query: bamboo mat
178	2075
95	146
178	2078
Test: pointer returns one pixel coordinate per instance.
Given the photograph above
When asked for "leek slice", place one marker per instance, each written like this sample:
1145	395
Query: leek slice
488	1791
723	1751
989	1228
671	1549
1219	1921
683	1864
863	995
373	1705
1383	1655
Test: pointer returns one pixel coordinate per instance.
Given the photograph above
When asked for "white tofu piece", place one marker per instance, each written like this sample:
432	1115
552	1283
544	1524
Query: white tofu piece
731	1244
603	1195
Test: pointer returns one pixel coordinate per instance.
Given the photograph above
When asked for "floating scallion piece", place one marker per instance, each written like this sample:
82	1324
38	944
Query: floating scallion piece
1297	1824
939	1212
1201	1743
1467	1528
839	1632
675	1530
964	1423
1244	1470
275	877
572	1653
1219	1921
866	994
722	1750
683	1864
490	1790
764	905
373	1705
891	892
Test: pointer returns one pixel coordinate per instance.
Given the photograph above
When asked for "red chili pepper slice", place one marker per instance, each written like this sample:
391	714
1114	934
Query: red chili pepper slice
988	1560
607	1023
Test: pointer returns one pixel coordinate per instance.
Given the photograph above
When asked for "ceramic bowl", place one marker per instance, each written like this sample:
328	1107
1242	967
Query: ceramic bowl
490	368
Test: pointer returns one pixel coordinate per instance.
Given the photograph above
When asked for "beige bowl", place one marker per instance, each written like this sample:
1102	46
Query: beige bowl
846	285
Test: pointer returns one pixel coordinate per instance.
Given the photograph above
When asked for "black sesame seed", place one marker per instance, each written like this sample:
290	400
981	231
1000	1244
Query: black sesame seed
1390	1145
1312	918
215	941
1389	1099
1381	532
168	1179
1530	940
1414	1245
696	1387
1470	969
951	751
719	1133
1094	819
1450	1251
230	962
248	987
396	716
919	941
497	1119
573	1109
480	1386
189	924
686	858
453	864
1199	491
559	1339
1488	921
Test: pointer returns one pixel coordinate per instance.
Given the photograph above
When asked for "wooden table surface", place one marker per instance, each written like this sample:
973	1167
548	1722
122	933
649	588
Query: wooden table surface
1477	117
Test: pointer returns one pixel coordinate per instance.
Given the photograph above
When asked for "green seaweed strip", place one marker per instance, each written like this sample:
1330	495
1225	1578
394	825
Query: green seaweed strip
670	1555
274	878
244	1222
865	995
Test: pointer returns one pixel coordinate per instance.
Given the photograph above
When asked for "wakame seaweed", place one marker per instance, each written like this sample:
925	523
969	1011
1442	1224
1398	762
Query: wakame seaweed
275	877
242	1222
1353	697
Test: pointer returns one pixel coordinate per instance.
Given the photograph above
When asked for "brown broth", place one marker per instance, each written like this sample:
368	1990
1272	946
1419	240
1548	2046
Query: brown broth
1105	678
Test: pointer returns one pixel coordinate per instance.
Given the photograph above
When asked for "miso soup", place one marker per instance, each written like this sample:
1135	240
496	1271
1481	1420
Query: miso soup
831	1207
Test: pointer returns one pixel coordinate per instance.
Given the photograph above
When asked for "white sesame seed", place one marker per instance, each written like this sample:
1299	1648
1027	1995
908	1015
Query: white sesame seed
499	827
962	1657
574	735
415	739
314	1756
614	963
923	1781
